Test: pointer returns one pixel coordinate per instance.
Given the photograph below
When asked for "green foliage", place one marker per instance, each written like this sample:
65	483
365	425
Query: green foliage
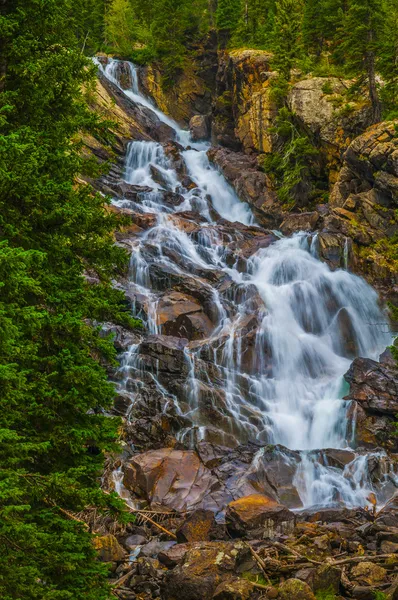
255	24
53	387
326	595
290	164
120	27
286	36
228	15
359	48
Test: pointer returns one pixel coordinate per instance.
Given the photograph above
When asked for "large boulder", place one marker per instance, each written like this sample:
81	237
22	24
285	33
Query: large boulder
173	478
199	127
374	386
256	512
203	568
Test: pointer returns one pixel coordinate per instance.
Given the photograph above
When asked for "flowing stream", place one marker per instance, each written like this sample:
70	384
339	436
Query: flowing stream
309	322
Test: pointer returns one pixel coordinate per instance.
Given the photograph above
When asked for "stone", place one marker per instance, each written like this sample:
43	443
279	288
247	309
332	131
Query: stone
180	315
255	511
108	548
236	589
153	548
173	478
388	547
368	573
300	222
197	527
294	588
199	127
203	569
135	540
173	555
326	578
374	386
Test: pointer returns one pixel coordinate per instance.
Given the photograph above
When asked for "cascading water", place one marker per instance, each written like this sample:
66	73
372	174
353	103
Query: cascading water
310	322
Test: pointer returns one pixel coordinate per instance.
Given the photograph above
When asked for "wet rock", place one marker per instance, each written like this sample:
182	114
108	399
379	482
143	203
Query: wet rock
197	527
368	573
164	353
294	588
199	126
258	511
182	316
108	548
147	120
122	338
135	540
154	548
252	185
300	222
374	386
236	589
122	403
173	478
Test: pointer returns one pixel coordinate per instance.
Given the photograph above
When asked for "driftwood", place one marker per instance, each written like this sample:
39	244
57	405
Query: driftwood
259	561
295	553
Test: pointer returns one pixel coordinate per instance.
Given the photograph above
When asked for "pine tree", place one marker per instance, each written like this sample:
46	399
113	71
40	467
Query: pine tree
388	58
321	20
362	28
52	385
120	27
287	43
227	16
256	23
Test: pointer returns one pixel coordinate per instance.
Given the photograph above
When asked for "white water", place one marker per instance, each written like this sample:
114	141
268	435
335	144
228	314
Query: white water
313	322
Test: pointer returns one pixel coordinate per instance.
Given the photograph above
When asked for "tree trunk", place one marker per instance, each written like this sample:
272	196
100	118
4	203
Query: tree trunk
371	69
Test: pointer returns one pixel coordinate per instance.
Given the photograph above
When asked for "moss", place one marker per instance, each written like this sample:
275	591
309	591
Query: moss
326	595
255	578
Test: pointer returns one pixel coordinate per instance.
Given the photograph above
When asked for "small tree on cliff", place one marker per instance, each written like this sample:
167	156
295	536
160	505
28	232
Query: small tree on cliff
362	29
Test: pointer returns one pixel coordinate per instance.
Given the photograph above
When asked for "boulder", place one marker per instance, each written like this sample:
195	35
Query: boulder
297	589
368	573
197	527
182	316
258	511
199	127
374	386
173	478
204	567
300	222
108	548
235	589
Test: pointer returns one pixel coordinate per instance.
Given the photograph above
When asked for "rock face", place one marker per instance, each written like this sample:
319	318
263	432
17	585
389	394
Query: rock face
374	386
374	390
191	91
364	201
243	110
252	184
313	102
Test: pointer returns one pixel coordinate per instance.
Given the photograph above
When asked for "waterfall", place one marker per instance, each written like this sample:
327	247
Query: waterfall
311	321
